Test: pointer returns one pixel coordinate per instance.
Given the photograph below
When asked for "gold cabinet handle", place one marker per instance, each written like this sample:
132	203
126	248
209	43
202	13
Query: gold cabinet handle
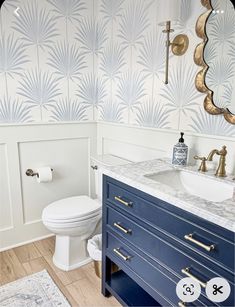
181	304
124	257
190	238
187	273
125	203
123	229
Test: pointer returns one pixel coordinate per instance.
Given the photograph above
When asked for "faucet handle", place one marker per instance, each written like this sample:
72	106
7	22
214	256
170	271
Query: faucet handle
202	167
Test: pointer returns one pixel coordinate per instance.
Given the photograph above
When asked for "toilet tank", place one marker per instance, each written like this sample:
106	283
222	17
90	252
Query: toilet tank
99	161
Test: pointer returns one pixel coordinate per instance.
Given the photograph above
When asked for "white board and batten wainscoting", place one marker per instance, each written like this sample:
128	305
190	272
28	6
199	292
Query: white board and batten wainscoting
65	148
140	143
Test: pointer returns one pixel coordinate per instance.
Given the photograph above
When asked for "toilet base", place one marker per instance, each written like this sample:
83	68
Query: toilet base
70	252
71	267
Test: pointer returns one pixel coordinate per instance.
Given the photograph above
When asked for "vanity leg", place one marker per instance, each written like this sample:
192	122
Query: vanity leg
106	275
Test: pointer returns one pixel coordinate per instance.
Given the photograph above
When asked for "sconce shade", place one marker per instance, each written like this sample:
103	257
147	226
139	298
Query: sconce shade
169	10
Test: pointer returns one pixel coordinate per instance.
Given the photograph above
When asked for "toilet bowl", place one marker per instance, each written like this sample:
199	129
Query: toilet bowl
74	220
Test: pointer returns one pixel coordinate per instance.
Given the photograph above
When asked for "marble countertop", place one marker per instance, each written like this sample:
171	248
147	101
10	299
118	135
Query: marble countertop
220	213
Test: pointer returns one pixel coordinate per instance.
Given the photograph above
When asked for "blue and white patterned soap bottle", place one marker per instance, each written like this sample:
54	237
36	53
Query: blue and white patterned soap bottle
180	152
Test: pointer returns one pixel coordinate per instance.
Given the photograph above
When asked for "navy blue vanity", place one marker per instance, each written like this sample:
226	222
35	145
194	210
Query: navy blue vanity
155	244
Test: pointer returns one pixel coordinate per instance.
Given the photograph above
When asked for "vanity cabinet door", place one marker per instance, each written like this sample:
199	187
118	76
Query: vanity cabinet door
190	230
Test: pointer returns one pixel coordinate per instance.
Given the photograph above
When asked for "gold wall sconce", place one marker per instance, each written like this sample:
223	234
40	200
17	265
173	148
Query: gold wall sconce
169	12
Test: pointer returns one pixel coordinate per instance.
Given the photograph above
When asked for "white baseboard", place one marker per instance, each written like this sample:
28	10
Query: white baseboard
26	242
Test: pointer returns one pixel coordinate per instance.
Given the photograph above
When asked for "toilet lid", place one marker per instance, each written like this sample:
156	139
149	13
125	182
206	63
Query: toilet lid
71	208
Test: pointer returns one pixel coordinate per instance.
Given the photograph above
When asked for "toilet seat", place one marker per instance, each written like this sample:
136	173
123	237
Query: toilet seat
72	210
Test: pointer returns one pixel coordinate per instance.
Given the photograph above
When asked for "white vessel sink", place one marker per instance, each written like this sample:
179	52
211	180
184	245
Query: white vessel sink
194	184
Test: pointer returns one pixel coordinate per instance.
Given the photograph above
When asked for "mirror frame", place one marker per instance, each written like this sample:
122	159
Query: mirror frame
200	80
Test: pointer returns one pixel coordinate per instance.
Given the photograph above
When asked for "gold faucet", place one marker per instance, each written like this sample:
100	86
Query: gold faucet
220	172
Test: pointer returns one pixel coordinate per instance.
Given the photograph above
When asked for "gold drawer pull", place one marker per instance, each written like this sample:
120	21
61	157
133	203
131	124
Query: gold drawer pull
190	238
123	229
181	304
117	251
125	203
187	273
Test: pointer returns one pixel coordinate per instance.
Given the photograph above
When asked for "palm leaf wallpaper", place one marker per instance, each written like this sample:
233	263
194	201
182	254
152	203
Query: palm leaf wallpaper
36	26
67	110
66	60
79	60
70	10
13	111
39	89
91	35
12	55
152	114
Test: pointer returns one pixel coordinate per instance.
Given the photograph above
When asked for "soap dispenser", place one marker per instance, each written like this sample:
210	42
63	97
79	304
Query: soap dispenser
180	152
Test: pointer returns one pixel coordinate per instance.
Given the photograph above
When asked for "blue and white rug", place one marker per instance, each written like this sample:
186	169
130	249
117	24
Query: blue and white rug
34	290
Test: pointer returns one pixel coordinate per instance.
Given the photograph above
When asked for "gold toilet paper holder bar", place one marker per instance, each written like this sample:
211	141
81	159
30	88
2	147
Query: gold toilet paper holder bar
31	173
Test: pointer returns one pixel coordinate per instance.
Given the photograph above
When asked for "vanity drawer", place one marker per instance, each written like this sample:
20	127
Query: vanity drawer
162	248
158	281
193	231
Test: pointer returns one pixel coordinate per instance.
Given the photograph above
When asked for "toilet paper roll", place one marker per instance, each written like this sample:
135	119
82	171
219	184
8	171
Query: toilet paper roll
44	174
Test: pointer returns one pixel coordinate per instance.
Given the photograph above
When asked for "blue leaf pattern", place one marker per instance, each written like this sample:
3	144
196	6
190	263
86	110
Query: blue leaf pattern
67	110
63	58
37	26
151	63
131	89
134	22
203	122
112	60
12	55
180	93
14	111
39	88
111	111
69	9
92	35
66	60
111	8
152	114
91	90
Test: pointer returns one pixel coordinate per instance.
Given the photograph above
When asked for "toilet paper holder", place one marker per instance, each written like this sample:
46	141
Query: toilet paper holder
31	173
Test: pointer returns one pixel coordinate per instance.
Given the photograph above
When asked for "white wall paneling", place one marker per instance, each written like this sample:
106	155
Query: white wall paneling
66	148
158	141
5	200
131	151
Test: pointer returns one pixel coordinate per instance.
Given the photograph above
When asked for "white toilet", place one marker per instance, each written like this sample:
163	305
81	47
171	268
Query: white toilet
74	220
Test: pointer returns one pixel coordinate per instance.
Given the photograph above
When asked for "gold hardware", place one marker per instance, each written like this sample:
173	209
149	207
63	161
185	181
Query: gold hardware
220	172
119	226
190	238
200	80
31	173
187	273
179	46
181	304
125	203
202	167
117	251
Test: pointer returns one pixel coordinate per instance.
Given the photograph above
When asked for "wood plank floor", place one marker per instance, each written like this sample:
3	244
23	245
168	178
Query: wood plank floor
80	286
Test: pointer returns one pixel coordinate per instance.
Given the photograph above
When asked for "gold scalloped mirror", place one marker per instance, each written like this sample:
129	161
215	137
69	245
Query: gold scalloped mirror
216	55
